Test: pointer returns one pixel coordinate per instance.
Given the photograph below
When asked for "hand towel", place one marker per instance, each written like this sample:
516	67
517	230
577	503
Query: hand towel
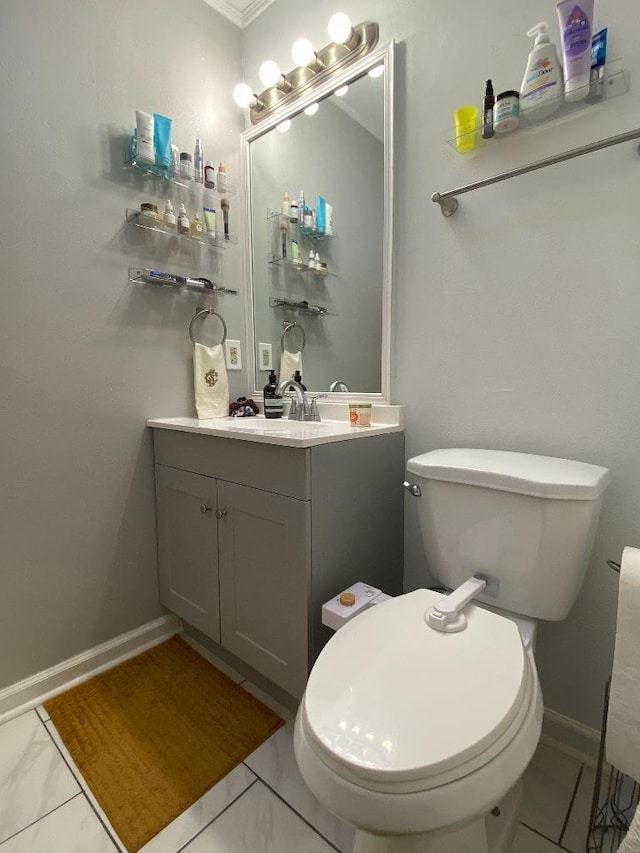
631	843
623	722
210	382
289	363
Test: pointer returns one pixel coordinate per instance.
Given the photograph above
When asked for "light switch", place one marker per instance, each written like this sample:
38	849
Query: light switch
233	355
265	357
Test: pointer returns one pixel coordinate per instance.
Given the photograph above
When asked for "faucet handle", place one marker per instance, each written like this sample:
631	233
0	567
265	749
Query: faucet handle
293	408
314	414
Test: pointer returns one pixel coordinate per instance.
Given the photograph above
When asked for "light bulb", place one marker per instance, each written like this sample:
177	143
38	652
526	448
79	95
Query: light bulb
378	71
312	109
339	28
284	126
341	92
269	73
242	95
302	52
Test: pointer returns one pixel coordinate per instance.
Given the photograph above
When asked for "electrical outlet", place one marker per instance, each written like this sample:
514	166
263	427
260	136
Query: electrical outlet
233	355
265	357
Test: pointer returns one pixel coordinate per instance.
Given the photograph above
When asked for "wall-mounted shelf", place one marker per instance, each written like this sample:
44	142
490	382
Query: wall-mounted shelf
157	278
448	200
303	307
133	218
287	263
151	171
614	83
295	227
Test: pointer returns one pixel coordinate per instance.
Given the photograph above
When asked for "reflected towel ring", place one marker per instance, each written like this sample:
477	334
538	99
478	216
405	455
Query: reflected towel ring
201	312
287	328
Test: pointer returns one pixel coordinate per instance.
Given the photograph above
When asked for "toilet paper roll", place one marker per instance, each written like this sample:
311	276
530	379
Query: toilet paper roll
623	723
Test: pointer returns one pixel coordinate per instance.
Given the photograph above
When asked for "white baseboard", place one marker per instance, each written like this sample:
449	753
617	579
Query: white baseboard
33	691
571	737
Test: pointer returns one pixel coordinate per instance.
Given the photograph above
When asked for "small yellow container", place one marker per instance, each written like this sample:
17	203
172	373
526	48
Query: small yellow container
466	119
360	414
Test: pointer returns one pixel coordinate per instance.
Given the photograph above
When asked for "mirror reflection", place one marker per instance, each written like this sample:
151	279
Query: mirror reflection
317	208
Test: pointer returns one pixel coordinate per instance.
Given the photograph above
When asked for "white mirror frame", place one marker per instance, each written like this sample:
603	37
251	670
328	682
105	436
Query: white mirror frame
386	54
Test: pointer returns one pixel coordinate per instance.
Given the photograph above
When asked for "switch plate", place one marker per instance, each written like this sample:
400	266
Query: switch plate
265	357
233	355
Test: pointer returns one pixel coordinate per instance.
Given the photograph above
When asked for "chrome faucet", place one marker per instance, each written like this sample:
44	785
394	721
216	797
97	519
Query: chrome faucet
298	410
338	385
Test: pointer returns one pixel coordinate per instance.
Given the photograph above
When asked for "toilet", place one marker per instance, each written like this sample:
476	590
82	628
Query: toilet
417	724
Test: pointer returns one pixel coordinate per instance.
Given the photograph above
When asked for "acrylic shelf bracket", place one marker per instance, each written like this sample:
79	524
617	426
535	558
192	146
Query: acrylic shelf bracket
149	170
302	307
133	217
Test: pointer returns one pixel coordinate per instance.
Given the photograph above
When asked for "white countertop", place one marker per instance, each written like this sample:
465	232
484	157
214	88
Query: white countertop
276	431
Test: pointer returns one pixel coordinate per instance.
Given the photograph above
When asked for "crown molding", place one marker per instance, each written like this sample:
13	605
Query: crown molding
240	19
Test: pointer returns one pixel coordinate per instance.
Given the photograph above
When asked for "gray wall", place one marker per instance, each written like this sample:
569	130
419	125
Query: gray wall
515	322
87	357
329	154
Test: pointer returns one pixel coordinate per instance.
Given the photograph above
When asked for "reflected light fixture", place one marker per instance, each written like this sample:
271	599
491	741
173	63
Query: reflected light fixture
284	126
341	92
378	71
312	109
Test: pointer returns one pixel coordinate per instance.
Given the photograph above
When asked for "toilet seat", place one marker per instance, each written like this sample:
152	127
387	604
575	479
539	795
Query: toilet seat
393	706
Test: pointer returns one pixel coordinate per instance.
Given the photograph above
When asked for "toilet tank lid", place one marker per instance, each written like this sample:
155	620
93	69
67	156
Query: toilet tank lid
523	473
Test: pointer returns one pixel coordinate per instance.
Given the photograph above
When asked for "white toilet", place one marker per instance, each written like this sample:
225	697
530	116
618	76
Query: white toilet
419	736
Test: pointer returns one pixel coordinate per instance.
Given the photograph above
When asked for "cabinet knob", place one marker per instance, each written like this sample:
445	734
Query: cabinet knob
220	513
205	508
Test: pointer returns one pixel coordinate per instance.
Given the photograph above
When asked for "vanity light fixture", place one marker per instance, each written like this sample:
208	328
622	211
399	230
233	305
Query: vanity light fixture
312	109
284	126
244	97
348	45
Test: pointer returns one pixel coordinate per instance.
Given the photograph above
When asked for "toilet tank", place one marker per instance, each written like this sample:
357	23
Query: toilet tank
526	522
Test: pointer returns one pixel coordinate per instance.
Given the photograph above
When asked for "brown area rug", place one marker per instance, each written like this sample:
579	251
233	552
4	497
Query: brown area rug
152	735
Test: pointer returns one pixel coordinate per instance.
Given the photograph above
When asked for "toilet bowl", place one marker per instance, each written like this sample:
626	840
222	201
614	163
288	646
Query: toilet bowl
415	736
418	734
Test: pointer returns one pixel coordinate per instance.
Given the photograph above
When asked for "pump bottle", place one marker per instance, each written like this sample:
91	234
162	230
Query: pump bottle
542	91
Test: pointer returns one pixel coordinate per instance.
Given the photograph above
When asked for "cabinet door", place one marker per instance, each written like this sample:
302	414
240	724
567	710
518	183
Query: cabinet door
264	582
188	547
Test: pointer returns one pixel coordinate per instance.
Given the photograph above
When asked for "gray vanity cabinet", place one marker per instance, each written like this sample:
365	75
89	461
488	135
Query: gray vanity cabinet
287	529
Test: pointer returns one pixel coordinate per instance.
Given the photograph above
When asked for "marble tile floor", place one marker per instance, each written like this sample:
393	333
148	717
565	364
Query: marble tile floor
262	806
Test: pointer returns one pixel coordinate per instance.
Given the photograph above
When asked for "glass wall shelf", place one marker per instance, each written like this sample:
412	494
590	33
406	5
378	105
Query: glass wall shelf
295	227
303	307
152	171
303	268
615	82
157	278
133	218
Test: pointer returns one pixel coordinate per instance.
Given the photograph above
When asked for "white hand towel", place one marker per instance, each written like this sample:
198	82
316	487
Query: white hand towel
210	382
289	363
623	722
631	843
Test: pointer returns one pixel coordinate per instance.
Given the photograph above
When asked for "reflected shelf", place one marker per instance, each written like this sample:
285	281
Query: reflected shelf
158	278
615	82
133	218
300	229
302	307
287	263
195	188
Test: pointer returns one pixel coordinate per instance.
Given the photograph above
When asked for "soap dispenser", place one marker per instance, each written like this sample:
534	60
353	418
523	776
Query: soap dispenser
542	91
273	404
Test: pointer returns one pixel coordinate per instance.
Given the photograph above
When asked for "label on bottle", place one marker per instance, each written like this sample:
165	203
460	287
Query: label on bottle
576	36
273	407
222	180
170	220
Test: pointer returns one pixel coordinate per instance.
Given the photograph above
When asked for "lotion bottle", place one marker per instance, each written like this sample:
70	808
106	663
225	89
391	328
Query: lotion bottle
541	92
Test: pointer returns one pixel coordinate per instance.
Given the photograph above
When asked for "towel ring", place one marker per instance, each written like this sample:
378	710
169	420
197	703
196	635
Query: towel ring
201	312
287	328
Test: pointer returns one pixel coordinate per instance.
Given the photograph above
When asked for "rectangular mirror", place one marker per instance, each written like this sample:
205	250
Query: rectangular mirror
321	285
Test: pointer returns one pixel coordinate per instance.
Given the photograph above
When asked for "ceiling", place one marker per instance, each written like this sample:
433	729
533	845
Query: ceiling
240	12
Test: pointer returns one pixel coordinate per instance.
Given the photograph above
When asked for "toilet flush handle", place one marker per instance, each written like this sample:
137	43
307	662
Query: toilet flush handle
447	615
